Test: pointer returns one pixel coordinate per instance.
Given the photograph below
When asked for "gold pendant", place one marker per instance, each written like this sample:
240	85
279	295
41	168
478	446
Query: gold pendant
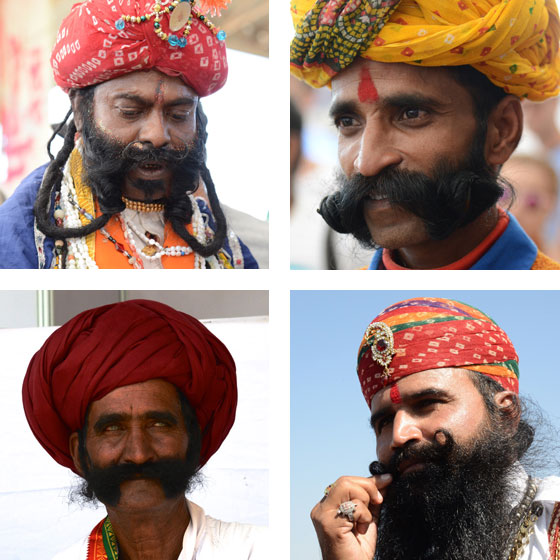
149	250
180	16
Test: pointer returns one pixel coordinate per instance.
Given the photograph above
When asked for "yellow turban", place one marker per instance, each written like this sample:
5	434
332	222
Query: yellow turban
513	42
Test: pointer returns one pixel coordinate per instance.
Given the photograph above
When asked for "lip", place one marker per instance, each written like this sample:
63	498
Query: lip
411	466
151	171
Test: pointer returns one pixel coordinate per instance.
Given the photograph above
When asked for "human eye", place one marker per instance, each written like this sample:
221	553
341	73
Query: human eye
179	116
382	423
112	428
344	122
413	115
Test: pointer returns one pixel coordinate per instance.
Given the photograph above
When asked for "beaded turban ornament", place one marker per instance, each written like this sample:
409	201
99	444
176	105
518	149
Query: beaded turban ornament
109	347
513	42
102	39
429	333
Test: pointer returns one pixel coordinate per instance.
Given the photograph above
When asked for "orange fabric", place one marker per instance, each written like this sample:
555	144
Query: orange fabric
542	262
107	256
96	549
469	259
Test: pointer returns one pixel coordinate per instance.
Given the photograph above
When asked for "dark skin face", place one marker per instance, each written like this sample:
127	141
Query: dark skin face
146	106
408	117
137	424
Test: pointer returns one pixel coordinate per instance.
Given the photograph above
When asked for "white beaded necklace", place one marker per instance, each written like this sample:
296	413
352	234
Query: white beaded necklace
78	252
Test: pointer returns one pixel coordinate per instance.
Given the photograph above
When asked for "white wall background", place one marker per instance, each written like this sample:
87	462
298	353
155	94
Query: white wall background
35	518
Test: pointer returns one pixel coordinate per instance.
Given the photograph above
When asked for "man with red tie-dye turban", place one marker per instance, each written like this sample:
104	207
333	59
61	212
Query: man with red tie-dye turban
135	397
426	98
130	187
441	380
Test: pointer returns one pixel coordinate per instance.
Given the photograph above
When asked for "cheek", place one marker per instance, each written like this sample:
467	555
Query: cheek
347	153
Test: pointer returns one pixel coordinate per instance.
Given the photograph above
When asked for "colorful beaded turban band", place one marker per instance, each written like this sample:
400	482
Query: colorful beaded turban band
513	42
429	333
101	40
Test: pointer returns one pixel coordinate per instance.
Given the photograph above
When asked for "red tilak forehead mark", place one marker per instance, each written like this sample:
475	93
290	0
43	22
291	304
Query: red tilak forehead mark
367	92
395	394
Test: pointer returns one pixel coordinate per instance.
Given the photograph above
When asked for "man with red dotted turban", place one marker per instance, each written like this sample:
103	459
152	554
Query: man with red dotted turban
441	381
130	187
135	397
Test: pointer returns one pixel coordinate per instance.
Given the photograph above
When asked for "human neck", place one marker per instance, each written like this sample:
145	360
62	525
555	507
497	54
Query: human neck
438	253
154	534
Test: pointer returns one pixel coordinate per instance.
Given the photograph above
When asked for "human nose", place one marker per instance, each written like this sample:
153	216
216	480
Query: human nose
375	151
405	429
154	130
137	447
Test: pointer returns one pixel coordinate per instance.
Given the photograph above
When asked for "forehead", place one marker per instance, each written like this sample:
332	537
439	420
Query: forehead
398	78
454	381
146	83
136	399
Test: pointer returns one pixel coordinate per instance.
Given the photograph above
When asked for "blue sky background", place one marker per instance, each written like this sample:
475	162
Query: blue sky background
330	433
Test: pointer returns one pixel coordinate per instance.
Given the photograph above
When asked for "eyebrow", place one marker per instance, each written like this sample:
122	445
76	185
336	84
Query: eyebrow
115	417
386	410
147	102
397	100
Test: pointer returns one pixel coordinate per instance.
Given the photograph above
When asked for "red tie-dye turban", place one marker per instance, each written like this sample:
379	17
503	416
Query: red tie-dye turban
95	43
109	347
428	333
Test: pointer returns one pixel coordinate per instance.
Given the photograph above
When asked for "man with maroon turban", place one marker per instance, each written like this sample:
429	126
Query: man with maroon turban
135	397
130	187
441	381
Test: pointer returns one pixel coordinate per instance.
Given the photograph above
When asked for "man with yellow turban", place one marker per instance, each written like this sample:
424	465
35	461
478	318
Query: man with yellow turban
426	98
441	381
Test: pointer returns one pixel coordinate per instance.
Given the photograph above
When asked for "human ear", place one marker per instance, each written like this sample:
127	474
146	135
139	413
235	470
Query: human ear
78	121
509	408
505	126
74	444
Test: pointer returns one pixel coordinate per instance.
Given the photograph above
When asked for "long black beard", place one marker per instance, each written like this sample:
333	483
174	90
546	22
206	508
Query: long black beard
457	508
452	197
107	163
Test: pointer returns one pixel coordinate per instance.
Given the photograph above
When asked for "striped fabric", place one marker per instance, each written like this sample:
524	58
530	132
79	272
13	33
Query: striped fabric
431	333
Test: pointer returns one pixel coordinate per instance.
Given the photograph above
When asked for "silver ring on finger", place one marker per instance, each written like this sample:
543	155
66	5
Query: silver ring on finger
347	509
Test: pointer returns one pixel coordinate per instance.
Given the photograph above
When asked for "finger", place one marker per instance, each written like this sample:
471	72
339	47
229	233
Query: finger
365	489
350	488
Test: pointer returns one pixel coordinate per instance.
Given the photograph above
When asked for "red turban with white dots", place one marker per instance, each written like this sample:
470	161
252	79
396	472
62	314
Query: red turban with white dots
104	39
109	347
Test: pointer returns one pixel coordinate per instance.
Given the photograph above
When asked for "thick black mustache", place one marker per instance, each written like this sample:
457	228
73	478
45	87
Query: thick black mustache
448	200
148	153
431	452
173	475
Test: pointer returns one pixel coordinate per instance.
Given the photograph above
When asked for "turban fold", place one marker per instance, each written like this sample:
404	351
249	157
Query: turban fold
92	48
109	347
513	42
429	333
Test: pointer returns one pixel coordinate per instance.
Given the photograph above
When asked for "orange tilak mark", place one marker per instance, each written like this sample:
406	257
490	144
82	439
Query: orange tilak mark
367	91
395	394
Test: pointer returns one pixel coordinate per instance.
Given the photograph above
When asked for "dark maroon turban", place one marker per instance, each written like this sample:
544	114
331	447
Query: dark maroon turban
115	345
